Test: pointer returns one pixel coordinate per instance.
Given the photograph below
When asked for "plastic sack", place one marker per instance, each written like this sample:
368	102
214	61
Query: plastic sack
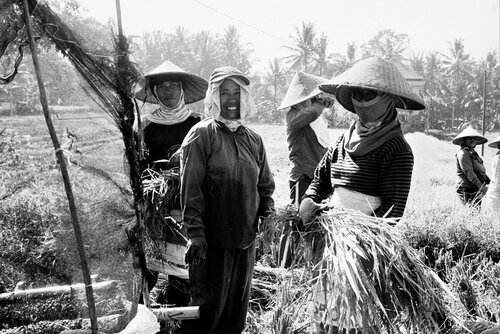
144	322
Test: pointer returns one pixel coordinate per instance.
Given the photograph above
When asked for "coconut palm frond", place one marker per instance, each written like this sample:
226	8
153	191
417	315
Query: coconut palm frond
374	277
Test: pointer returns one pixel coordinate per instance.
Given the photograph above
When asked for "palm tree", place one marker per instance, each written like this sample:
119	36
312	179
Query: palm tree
276	78
343	62
151	49
458	71
320	57
432	91
234	53
493	86
180	48
387	45
206	54
303	47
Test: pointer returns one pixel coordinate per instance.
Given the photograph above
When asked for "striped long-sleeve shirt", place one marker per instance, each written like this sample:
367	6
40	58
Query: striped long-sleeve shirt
384	172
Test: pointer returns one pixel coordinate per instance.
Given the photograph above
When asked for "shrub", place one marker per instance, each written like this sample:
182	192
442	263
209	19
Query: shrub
26	232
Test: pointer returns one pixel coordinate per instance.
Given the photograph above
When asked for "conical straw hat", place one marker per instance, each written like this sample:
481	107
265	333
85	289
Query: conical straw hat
469	132
376	74
303	87
495	143
194	87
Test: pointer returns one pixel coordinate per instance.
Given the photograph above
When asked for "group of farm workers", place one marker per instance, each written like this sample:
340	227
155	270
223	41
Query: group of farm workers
226	182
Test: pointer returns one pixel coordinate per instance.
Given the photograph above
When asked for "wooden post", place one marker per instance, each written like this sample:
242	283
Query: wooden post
140	281
484	110
176	313
64	172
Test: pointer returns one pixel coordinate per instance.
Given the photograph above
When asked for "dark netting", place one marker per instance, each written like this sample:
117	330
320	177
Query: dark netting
110	75
11	39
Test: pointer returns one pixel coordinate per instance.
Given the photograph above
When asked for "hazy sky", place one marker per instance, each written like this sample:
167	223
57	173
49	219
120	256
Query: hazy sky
267	24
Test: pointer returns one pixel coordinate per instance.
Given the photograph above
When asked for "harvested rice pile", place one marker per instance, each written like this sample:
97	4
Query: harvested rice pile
371	278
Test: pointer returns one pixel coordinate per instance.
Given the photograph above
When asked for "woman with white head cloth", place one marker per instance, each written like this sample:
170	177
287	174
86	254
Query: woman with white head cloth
226	186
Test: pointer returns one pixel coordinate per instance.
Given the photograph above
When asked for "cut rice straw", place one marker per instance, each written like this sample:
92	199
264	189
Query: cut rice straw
371	278
161	194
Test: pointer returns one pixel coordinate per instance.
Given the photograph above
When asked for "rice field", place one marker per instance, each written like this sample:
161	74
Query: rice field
28	173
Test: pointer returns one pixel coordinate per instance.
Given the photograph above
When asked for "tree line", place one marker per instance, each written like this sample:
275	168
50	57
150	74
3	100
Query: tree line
454	88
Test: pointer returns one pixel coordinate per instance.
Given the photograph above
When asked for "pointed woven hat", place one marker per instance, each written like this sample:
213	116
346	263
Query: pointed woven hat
495	143
194	87
302	87
469	132
376	74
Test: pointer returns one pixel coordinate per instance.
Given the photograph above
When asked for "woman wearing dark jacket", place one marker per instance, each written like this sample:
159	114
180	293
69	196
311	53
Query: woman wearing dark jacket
170	89
226	187
472	181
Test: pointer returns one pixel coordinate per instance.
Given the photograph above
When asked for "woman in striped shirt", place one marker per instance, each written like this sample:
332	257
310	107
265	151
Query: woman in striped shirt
369	168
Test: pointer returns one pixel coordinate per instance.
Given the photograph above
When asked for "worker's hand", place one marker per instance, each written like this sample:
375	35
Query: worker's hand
483	190
325	101
197	251
309	209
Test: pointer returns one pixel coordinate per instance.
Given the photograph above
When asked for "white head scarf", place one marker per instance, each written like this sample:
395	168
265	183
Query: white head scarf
169	116
212	102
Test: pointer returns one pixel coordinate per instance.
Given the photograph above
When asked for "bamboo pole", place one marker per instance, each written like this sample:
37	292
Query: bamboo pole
140	281
176	313
55	291
484	111
64	172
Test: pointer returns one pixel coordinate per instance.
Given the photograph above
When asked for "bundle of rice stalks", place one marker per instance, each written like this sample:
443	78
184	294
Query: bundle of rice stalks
291	314
283	241
161	196
266	283
371	278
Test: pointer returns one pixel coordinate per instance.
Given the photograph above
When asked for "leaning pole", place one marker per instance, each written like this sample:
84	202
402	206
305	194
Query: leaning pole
64	171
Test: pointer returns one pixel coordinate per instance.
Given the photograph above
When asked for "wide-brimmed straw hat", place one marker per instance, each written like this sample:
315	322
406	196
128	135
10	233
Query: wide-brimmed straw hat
194	87
495	143
302	87
469	132
376	74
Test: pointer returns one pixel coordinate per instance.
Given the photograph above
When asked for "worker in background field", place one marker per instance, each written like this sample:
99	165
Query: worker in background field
308	140
471	181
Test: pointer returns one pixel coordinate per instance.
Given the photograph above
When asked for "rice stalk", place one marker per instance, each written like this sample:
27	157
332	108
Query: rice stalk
161	195
372	279
283	235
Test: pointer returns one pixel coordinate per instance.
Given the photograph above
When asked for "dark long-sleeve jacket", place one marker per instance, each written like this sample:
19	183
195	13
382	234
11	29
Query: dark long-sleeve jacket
384	172
471	172
304	150
226	184
160	138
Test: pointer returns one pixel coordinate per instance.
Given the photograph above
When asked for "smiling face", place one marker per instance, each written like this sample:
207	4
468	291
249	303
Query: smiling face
168	93
229	93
